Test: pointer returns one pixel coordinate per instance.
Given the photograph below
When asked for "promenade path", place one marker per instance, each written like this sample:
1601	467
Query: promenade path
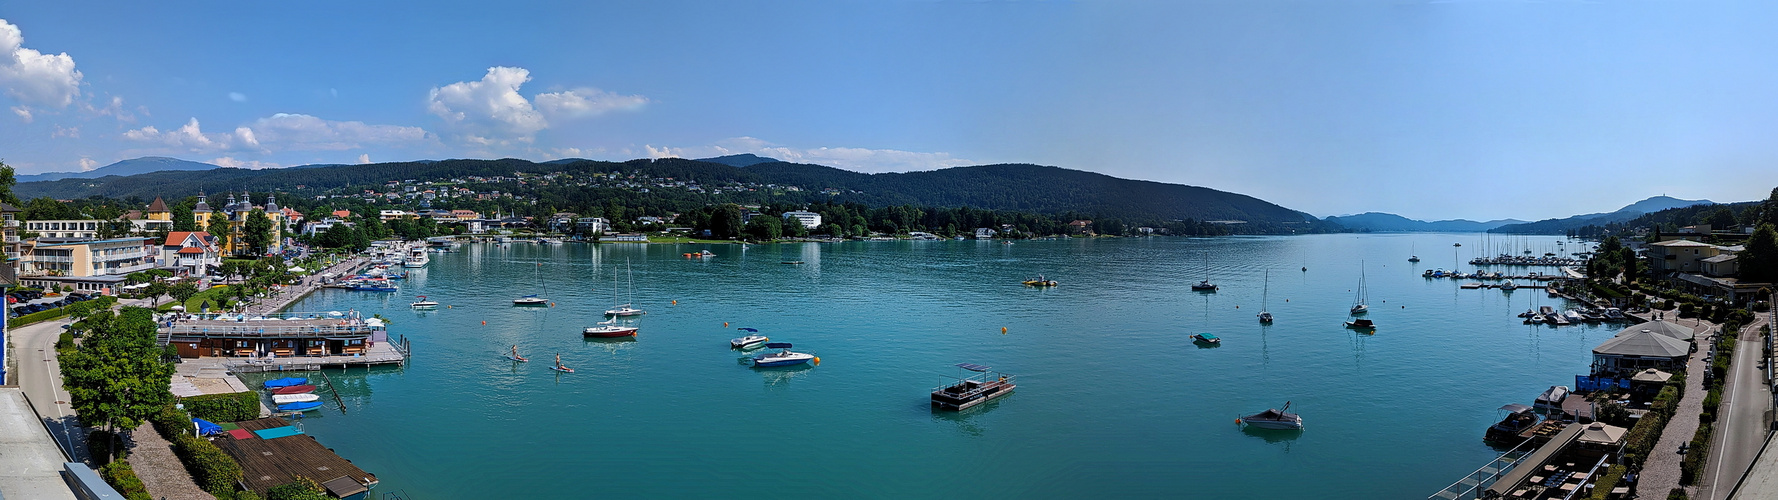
1660	473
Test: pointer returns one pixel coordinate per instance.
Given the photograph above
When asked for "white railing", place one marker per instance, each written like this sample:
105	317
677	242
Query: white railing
120	256
51	258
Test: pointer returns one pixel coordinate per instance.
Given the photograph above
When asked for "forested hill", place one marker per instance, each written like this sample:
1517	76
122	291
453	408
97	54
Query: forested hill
1028	188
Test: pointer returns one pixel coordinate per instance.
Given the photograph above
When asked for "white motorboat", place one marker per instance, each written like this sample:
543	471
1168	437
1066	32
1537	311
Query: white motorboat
416	257
1275	419
1614	314
424	303
1573	316
748	342
285	399
1509	286
530	300
783	357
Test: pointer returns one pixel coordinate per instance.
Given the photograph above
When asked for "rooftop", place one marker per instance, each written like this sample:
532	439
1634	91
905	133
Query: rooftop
1662	327
1644	343
266	463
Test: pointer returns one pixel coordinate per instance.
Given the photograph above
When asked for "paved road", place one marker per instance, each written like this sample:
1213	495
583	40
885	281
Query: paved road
1741	422
41	378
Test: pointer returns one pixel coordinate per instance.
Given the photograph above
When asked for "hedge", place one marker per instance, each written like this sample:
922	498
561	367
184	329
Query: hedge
120	476
1695	456
171	421
1642	438
1602	489
233	407
301	489
211	468
46	315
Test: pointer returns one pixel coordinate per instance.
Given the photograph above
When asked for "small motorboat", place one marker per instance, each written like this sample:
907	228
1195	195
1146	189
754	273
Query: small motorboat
972	390
705	254
1207	339
1204	286
784	356
1274	419
1265	316
530	300
285	382
300	407
1427	274
1413	258
1518	418
609	329
1573	316
1362	325
423	303
1614	314
1550	401
748	342
1535	319
294	389
284	399
1508	286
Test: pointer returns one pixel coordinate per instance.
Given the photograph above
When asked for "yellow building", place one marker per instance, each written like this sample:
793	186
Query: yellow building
232	238
93	265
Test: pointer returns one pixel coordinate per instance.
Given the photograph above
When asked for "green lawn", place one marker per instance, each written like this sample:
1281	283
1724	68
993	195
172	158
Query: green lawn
198	300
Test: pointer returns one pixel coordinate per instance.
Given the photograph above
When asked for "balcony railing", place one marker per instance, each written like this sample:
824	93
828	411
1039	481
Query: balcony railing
51	258
12	223
120	256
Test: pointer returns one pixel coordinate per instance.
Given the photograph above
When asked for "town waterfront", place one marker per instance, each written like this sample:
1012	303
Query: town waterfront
1113	401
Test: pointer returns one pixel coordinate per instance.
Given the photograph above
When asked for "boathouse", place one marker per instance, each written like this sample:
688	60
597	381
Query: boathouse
273	453
274	337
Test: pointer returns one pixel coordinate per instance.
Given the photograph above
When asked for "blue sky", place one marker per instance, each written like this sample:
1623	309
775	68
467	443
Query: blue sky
1446	109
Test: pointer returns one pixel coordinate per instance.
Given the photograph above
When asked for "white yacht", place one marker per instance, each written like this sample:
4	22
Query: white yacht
416	257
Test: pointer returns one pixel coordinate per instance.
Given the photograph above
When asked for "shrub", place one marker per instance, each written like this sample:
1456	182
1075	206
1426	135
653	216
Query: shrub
1642	437
171	421
211	468
1695	456
1678	494
120	476
65	341
233	407
1711	402
301	489
1602	489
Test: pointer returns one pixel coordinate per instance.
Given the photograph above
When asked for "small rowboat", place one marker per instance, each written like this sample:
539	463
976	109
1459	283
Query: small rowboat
294	389
309	406
284	399
285	382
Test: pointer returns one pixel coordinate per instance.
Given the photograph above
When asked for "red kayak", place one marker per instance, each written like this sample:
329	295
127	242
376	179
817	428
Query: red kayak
295	389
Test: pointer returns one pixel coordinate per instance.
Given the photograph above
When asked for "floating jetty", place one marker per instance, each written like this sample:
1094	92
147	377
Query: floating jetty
1515	260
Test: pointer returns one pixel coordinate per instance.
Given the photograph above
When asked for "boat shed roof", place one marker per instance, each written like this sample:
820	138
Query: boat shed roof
1644	343
1662	327
1600	433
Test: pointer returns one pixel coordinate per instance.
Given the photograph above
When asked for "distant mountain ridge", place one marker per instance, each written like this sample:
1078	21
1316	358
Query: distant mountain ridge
1019	187
1384	222
1629	212
740	160
135	166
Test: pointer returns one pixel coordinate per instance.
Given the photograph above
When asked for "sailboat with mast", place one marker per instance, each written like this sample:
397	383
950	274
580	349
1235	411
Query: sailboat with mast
1413	256
534	300
1361	302
624	309
1265	316
1206	285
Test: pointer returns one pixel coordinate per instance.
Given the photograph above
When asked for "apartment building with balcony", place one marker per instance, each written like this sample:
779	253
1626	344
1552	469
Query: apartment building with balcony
9	222
190	253
92	265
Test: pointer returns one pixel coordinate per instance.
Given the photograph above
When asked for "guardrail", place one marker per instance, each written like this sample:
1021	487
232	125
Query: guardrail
1468	487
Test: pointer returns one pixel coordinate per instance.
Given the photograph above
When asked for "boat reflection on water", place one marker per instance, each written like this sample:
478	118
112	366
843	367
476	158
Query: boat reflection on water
1273	436
782	375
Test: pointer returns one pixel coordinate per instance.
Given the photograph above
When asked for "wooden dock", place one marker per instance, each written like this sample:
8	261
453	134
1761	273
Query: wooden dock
266	463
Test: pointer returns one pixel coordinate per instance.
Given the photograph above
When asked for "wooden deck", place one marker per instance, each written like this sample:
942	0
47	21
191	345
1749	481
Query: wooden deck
266	463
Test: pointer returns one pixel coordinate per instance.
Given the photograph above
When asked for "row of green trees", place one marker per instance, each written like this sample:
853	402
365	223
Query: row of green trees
118	376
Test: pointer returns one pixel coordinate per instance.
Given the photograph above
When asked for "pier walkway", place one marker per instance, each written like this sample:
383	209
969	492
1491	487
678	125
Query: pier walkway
289	295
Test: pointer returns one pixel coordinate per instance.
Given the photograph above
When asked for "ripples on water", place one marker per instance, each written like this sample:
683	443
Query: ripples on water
1113	399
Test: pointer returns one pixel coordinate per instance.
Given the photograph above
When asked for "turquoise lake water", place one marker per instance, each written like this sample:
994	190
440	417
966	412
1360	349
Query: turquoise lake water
1113	399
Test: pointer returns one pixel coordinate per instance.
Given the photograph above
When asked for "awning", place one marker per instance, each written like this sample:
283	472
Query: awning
973	367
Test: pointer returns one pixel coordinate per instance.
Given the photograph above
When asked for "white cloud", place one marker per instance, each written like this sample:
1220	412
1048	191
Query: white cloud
247	164
34	78
87	164
489	112
286	131
192	138
61	131
855	159
586	101
114	108
237	97
24	113
364	158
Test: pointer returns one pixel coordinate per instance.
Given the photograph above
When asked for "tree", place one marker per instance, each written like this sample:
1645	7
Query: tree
117	378
155	290
1722	220
221	229
183	291
765	227
7	181
725	221
258	229
183	218
1759	264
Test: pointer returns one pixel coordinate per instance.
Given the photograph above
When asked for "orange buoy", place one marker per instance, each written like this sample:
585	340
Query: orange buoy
552	304
725	324
1003	330
1237	420
484	322
675	302
817	361
447	307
